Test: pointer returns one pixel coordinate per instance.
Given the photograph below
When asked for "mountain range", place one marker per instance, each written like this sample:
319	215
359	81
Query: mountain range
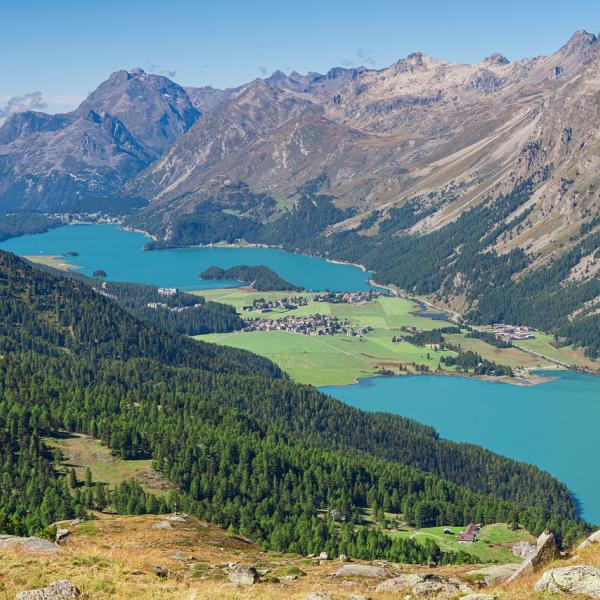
356	164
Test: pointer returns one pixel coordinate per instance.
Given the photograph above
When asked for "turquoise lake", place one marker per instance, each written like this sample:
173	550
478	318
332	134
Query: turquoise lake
553	425
120	254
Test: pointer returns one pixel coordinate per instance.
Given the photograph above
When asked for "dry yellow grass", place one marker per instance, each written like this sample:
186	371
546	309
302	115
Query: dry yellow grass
112	558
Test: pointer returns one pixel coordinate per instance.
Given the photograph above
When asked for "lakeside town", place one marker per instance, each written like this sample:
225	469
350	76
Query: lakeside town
307	325
263	305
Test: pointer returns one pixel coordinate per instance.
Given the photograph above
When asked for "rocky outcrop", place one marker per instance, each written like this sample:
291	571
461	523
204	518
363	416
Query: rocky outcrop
240	575
494	574
546	552
592	539
59	590
524	549
571	580
399	583
357	570
426	585
35	545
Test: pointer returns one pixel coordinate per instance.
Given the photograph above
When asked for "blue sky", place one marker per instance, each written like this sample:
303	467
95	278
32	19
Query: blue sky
64	48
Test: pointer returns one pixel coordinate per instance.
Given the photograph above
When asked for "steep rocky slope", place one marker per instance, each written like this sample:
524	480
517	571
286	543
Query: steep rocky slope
419	128
50	162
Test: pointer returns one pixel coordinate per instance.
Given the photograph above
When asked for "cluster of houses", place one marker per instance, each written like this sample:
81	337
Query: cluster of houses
265	306
512	332
167	292
349	297
176	309
308	325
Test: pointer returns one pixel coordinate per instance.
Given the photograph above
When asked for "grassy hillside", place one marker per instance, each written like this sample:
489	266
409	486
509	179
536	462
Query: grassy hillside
112	558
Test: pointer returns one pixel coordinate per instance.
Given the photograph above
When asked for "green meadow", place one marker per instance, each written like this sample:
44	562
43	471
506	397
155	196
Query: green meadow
341	360
333	360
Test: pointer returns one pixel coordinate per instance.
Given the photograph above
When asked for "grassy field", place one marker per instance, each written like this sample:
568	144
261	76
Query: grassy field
329	360
493	543
50	260
339	360
543	343
81	451
512	357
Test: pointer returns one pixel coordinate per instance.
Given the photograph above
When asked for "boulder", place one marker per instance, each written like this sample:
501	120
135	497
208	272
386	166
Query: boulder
402	582
426	585
59	590
495	574
162	525
61	534
323	556
243	575
592	539
318	596
440	587
476	596
571	580
356	570
178	517
160	571
35	545
546	551
358	597
343	558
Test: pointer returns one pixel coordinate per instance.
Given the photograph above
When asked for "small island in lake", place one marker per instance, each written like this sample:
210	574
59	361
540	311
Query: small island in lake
99	273
261	277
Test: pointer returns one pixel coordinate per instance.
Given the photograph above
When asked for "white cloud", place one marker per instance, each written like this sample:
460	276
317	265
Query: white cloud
18	104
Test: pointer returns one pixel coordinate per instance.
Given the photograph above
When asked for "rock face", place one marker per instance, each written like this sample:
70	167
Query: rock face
357	570
592	539
426	585
571	580
59	590
524	549
493	122
243	575
546	552
28	544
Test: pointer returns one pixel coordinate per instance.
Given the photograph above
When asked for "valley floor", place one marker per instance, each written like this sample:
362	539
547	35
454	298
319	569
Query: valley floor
340	360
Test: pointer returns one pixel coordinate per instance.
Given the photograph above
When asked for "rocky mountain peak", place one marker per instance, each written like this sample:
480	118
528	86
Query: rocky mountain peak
579	42
496	59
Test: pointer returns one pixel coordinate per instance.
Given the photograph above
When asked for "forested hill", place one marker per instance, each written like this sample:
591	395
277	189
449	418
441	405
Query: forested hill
57	312
262	278
245	447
